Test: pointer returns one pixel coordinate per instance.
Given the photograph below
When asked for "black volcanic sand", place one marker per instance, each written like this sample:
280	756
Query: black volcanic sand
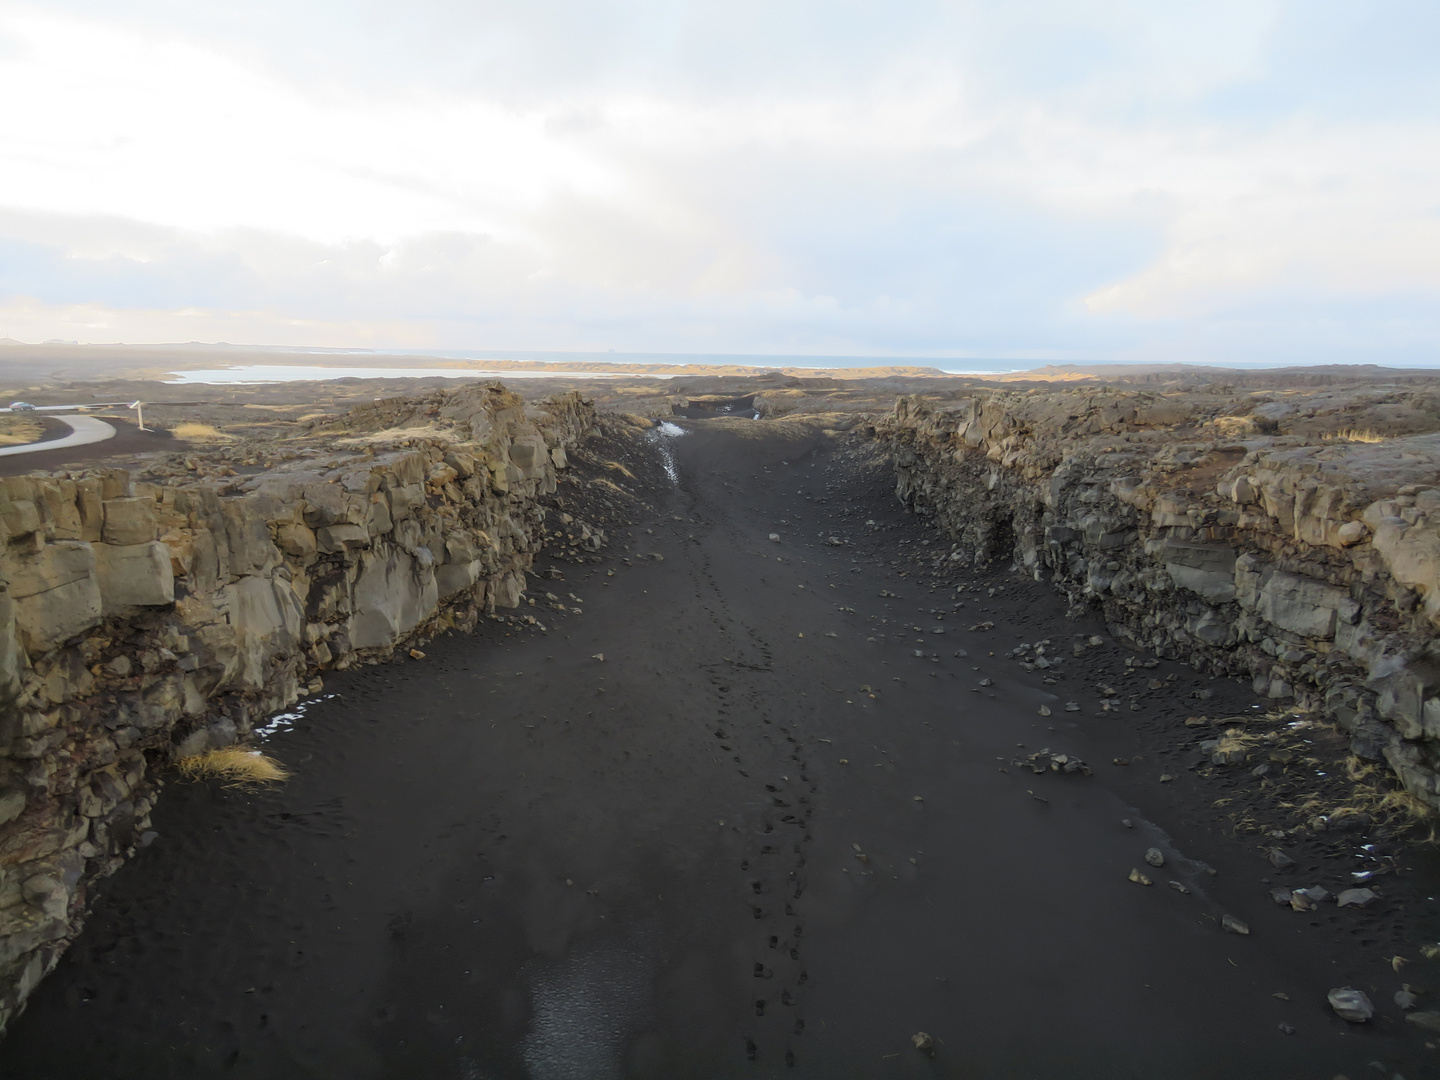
515	859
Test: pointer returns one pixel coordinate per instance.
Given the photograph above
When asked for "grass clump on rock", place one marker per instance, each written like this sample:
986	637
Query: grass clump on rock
234	766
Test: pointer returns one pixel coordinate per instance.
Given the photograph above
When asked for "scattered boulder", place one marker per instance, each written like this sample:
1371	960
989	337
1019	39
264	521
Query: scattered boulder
1357	898
1279	860
1308	899
1353	1005
1430	1021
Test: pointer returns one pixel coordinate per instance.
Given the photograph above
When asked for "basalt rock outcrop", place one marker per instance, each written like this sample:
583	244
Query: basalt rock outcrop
1293	539
141	621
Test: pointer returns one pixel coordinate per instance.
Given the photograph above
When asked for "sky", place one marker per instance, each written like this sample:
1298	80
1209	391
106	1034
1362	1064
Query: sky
1112	180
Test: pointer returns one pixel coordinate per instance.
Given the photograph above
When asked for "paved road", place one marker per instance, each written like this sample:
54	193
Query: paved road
83	431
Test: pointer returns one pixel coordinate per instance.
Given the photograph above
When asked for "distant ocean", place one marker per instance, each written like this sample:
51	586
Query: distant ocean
301	364
352	363
953	365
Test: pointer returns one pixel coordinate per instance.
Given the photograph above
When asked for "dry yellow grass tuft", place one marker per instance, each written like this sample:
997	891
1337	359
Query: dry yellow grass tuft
15	430
393	435
1376	797
233	766
1232	426
621	469
1351	435
193	431
1237	740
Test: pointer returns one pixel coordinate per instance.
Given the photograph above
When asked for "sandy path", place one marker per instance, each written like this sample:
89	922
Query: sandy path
513	859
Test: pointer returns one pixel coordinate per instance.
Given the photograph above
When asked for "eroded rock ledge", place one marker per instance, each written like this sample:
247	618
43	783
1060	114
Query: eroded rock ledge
1250	536
143	621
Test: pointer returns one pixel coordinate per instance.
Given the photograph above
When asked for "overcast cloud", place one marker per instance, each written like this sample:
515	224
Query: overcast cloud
1017	178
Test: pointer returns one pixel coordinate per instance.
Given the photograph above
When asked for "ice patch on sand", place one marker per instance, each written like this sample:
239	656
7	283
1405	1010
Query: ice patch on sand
666	430
285	721
584	1010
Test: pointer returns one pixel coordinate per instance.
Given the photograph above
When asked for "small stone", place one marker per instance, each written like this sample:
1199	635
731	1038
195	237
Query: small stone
774	538
1095	640
1127	823
1072	706
1405	999
1155	857
1179	888
1352	1005
1357	898
1139	878
1305	899
987	682
1430	1021
1352	532
416	654
599	656
923	1042
1286	1029
1234	925
1044	710
1279	860
1281	896
1165	778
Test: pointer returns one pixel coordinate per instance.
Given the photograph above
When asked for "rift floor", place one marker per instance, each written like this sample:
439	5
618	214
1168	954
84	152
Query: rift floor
760	837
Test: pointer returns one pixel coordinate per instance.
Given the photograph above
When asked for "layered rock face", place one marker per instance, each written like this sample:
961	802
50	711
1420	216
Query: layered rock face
144	621
1292	539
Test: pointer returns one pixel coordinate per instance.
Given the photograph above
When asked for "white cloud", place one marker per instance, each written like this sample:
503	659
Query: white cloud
1037	175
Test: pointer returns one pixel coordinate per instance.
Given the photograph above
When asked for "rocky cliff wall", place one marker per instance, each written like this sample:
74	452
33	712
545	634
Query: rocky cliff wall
144	621
1250	536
